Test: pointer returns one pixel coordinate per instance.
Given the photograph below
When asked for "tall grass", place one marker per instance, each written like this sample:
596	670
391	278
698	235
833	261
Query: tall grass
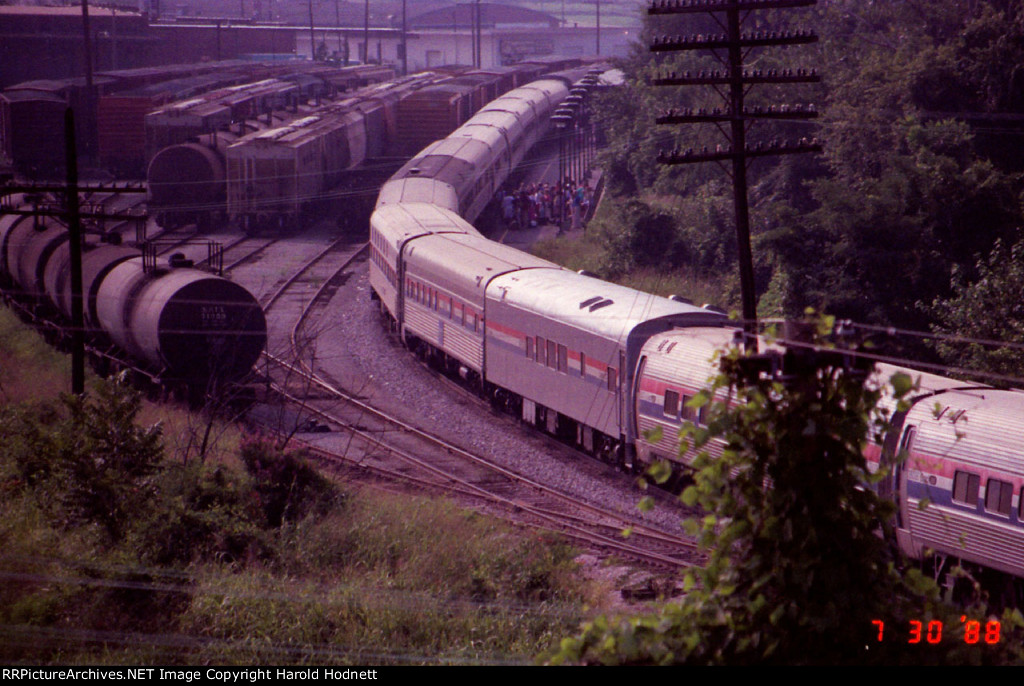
201	575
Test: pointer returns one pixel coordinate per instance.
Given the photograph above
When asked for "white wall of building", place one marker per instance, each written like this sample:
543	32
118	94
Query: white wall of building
430	48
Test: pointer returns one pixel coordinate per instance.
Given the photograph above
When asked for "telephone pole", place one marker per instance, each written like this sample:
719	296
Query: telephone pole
734	120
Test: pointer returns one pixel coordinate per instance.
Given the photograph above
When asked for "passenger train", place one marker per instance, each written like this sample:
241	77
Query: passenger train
601	365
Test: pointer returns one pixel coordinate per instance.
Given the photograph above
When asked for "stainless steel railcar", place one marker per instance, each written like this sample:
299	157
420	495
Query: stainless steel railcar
604	366
554	346
477	158
445	279
959	491
564	348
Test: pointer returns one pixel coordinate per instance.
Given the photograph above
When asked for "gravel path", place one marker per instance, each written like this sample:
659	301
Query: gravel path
354	349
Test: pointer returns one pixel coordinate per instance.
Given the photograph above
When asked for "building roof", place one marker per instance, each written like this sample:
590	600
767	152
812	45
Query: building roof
492	15
70	11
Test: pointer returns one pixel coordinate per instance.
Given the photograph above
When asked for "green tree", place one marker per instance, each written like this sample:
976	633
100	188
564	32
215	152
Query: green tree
89	460
797	571
918	109
919	178
988	308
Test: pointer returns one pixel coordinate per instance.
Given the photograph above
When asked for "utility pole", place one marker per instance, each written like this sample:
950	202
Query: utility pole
405	43
75	243
90	92
337	26
312	37
366	35
735	119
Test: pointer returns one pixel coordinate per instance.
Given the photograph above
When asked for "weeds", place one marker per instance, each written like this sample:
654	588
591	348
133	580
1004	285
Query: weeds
116	552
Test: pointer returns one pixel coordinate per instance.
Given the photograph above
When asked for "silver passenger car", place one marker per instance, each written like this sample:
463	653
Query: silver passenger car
674	366
391	227
568	344
445	280
965	458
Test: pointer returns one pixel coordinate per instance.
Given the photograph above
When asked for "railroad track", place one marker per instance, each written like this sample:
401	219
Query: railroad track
384	446
241	251
290	303
364	437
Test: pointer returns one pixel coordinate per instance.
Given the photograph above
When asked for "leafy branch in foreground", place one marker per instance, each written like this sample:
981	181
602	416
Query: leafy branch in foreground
800	565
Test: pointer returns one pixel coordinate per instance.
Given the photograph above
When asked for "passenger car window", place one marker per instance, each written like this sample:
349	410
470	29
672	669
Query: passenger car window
671	403
689	414
966	487
998	496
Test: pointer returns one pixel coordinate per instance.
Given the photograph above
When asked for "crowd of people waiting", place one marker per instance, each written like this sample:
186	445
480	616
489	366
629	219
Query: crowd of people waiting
564	204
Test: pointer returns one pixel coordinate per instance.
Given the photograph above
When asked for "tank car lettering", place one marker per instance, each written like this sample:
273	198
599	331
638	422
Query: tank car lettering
213	316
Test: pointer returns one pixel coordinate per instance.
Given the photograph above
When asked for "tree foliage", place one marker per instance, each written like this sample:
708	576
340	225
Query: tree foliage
920	110
89	459
989	308
800	564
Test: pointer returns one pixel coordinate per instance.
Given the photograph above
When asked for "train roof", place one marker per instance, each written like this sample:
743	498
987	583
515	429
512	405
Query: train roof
419	191
299	131
605	309
451	161
405	220
980	427
465	262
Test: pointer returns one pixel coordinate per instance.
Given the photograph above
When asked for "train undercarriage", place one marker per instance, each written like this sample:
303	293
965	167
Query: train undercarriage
564	429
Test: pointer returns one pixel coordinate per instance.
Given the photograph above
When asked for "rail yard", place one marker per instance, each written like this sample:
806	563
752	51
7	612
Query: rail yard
604	381
349	394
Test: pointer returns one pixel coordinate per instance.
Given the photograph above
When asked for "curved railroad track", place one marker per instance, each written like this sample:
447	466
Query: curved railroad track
359	435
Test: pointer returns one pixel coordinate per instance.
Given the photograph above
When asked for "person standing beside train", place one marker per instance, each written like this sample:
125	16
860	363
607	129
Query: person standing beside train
508	209
578	199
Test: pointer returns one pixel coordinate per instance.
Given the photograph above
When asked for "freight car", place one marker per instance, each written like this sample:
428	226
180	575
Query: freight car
274	177
182	121
121	118
603	366
189	181
115	128
181	325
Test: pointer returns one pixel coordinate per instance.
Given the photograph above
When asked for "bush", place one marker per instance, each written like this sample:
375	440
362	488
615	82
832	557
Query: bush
797	573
